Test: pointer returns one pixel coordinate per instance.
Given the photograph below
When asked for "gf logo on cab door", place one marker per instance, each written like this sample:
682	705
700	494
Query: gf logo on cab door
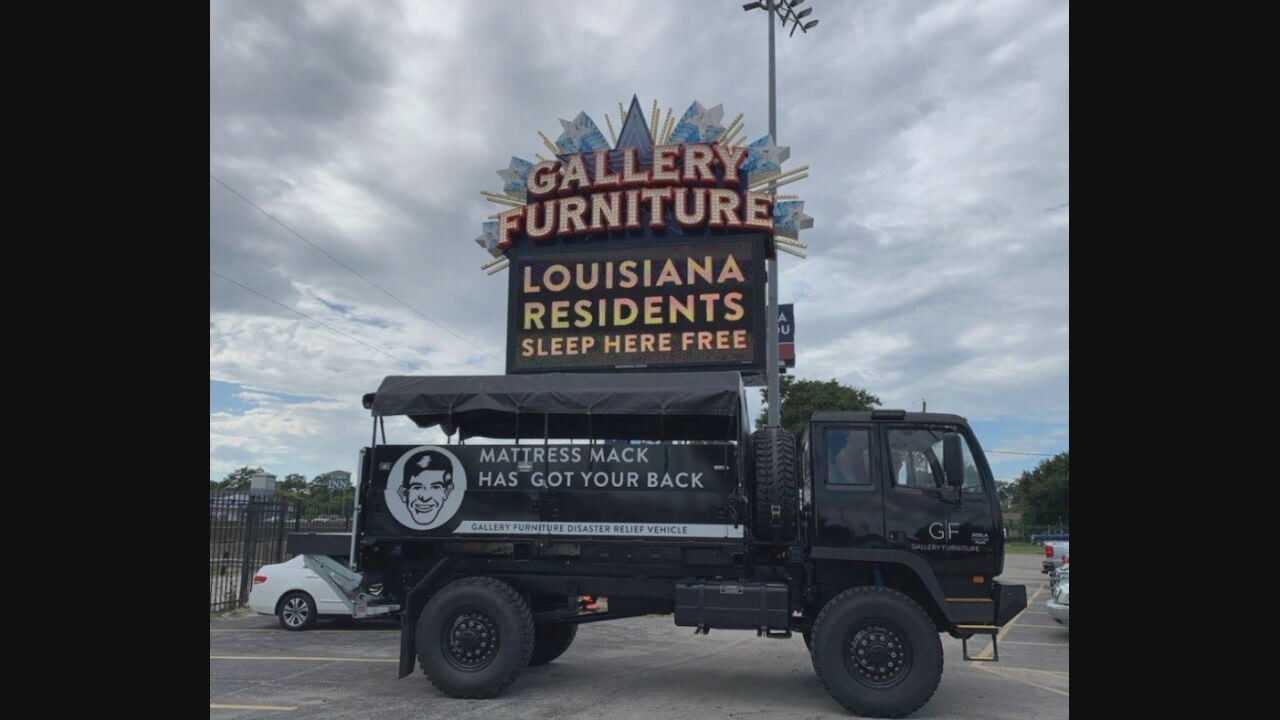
943	531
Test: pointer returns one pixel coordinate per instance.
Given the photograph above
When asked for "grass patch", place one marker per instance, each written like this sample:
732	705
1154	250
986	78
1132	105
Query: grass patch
1023	548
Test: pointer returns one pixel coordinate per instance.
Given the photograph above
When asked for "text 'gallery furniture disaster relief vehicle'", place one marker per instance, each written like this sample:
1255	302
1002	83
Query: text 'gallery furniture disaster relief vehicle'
615	495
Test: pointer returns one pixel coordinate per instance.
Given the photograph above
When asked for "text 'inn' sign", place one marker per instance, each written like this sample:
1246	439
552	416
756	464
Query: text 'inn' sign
646	252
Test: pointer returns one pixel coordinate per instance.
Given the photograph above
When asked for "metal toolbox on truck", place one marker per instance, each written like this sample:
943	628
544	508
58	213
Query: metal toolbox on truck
733	605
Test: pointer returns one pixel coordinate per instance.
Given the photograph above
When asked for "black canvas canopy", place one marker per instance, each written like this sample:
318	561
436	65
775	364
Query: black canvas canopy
656	406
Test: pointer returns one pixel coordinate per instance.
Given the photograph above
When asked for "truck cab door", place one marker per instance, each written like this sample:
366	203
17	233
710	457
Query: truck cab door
953	529
917	502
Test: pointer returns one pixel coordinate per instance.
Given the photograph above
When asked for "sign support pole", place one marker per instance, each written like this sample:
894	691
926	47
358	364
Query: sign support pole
771	311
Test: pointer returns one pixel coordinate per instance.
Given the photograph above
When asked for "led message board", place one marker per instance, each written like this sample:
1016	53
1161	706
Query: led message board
675	306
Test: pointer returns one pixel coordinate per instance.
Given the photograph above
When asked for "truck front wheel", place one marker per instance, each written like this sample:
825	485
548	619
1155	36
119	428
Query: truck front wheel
474	637
877	652
550	640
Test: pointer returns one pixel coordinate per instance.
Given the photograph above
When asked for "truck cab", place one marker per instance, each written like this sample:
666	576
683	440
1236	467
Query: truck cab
877	489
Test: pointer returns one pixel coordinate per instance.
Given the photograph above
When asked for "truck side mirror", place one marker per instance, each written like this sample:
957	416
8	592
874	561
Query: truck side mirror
953	459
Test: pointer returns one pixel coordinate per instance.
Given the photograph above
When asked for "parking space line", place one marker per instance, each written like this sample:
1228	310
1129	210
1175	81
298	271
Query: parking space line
303	659
1006	676
1063	627
218	706
1035	670
1019	642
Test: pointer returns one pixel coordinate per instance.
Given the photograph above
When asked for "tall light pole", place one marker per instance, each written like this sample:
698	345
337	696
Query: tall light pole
783	10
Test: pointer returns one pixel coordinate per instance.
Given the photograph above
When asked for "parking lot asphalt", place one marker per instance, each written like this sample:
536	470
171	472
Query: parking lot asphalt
631	668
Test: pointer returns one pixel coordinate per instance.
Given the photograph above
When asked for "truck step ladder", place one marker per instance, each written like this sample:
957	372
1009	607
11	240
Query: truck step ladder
980	630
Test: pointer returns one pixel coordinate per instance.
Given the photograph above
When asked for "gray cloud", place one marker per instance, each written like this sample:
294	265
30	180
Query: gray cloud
937	136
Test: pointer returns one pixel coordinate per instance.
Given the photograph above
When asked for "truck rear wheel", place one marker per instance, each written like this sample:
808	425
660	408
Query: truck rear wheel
877	652
474	637
773	457
550	640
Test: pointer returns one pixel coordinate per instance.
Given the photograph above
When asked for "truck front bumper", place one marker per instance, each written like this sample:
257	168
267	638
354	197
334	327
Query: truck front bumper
1010	600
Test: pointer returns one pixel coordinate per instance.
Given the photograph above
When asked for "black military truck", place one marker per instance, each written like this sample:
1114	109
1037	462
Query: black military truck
562	499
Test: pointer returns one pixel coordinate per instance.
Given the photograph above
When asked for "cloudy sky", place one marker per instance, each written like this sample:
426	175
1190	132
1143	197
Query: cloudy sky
936	132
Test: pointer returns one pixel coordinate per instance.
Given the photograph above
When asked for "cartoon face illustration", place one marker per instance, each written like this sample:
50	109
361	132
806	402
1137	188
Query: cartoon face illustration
426	483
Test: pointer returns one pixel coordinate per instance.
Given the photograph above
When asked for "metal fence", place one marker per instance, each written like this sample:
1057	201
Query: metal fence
320	516
248	531
1034	533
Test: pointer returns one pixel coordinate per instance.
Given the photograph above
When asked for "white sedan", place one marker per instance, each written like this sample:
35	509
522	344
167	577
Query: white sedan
295	594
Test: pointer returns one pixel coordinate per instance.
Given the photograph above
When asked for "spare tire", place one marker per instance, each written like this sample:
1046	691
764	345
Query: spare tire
773	458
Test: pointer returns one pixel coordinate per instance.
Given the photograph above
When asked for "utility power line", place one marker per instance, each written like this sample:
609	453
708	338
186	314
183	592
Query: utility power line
308	317
1011	452
350	269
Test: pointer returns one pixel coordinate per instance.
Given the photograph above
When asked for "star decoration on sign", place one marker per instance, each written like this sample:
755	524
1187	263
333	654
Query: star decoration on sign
488	238
789	219
580	136
513	178
764	156
699	124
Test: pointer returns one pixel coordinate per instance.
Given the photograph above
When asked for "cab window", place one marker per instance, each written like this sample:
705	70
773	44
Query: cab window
914	462
848	456
916	456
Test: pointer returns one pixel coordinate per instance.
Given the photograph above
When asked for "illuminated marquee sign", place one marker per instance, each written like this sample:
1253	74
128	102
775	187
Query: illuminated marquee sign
647	252
671	183
674	306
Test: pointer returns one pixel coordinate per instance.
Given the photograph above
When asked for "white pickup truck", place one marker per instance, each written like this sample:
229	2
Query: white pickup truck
1055	553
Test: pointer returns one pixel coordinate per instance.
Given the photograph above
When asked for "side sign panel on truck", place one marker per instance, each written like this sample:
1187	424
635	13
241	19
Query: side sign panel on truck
603	490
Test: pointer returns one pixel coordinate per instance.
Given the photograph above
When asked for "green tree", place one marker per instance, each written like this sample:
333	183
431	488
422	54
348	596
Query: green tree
802	398
340	502
293	483
1007	492
1044	492
238	479
319	490
293	487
